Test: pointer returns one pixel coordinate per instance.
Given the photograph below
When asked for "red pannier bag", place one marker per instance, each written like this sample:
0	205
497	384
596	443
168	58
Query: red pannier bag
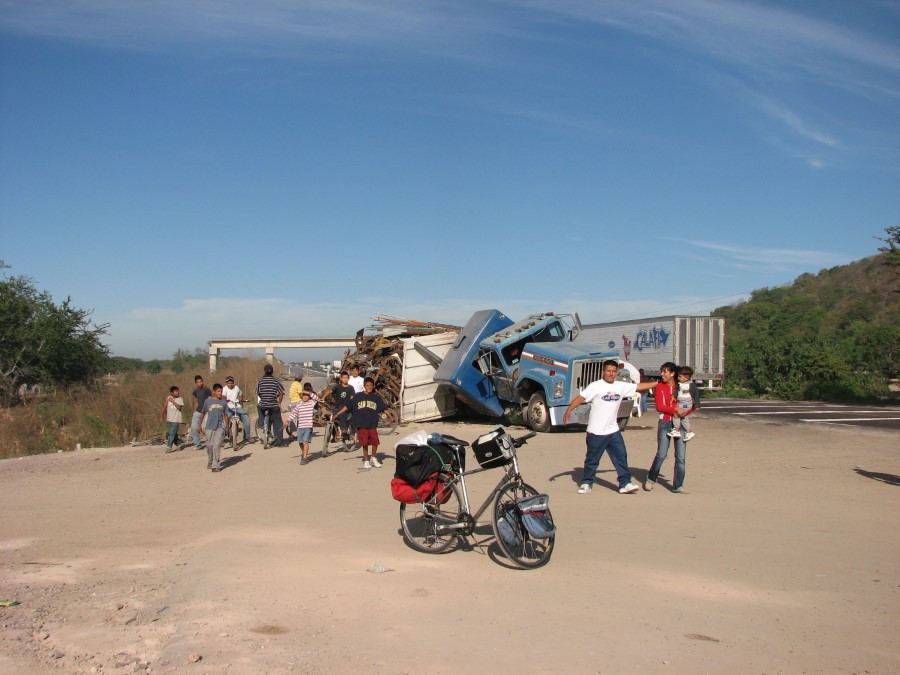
405	493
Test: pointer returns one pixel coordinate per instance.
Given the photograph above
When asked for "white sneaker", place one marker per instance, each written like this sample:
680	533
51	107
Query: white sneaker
629	489
648	485
374	462
367	465
674	433
584	488
688	436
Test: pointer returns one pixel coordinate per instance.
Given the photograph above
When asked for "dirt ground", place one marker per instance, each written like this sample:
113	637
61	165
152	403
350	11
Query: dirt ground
783	556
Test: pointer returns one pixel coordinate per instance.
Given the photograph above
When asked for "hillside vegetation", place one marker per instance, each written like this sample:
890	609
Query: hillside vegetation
830	336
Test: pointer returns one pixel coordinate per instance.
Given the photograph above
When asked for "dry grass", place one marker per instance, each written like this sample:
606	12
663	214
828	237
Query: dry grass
115	412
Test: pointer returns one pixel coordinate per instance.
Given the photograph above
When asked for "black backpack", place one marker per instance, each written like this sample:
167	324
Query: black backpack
417	463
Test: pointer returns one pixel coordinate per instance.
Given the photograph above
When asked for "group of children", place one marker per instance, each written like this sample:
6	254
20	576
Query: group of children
354	397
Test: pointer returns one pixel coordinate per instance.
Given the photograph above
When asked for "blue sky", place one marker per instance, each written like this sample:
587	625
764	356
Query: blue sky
197	169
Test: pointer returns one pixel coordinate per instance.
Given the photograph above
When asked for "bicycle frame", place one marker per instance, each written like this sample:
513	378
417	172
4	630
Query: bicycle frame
510	474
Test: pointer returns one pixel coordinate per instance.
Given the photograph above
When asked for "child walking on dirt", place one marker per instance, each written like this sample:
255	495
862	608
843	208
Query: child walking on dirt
301	417
366	408
688	400
215	414
172	414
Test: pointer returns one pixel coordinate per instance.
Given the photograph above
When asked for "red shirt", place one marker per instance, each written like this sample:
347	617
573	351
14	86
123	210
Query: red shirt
666	403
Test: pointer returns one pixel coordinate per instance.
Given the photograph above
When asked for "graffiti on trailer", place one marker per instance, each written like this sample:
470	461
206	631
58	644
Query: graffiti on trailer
651	338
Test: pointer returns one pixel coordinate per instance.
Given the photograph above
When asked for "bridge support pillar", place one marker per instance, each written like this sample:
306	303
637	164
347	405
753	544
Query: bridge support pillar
270	355
213	358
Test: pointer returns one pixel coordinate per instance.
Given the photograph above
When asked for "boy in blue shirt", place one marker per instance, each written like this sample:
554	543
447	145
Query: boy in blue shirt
215	414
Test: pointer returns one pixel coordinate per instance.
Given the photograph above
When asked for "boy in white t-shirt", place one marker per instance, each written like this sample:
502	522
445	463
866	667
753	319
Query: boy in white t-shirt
356	380
603	433
172	413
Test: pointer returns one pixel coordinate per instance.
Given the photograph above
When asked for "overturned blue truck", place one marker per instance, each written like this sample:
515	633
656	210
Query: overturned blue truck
526	371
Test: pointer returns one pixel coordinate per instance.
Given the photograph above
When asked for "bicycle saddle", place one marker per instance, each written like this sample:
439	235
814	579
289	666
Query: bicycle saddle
451	440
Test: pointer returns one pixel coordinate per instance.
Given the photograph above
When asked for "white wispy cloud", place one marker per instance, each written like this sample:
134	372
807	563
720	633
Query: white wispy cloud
801	258
200	320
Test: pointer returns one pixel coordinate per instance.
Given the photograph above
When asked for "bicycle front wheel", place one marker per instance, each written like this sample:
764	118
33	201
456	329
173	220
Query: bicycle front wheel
234	433
387	421
516	543
426	525
326	438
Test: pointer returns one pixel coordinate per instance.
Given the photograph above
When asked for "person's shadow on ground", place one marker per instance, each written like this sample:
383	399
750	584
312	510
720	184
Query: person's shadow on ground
888	478
575	475
228	462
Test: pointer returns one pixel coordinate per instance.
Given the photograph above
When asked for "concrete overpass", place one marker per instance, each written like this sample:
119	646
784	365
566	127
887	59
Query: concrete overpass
269	344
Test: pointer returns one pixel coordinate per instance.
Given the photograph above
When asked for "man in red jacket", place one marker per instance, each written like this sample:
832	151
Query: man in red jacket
667	407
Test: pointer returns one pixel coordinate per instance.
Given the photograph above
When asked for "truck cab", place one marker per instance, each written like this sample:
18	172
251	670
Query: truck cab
529	368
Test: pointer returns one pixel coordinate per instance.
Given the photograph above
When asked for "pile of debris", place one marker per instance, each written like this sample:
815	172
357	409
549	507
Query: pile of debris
379	355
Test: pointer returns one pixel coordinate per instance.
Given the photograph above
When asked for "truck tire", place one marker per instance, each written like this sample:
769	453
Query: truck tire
538	414
623	422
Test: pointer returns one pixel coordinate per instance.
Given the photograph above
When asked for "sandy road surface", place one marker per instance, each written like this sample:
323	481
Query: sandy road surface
784	556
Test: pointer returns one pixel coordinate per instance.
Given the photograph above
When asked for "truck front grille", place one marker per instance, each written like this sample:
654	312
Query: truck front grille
585	372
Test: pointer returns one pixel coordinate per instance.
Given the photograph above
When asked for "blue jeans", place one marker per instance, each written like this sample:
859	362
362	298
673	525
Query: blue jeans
195	428
662	450
643	402
171	434
615	444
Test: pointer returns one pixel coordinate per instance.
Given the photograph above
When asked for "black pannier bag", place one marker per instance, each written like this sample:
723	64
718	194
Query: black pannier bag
417	463
494	449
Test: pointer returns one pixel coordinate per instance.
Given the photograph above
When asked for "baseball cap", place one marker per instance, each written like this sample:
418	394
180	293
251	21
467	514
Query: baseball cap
229	379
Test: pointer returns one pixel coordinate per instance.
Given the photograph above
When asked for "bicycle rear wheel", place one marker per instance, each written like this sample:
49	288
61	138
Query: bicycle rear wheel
326	438
387	421
527	551
425	523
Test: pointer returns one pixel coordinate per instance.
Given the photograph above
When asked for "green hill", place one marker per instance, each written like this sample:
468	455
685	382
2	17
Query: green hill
833	336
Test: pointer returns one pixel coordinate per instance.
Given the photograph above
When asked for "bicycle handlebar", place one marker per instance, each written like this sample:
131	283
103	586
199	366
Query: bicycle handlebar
522	440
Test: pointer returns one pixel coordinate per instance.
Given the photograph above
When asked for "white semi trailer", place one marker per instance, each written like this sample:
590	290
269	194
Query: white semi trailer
695	341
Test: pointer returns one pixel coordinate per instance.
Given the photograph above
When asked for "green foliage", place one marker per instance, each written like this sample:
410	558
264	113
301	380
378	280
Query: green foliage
42	342
832	336
153	367
892	249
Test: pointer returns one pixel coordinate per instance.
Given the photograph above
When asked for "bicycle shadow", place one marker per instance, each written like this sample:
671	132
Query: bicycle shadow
482	541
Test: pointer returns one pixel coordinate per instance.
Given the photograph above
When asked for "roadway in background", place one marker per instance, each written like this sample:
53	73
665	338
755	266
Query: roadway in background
805	412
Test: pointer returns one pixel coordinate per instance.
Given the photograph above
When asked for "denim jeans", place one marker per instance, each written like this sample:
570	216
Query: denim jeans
615	444
171	434
663	440
195	428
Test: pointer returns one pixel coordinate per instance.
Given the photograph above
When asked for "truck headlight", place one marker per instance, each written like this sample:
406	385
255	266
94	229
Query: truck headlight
558	389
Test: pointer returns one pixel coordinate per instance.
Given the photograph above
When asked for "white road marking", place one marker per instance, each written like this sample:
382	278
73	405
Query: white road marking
854	419
813	412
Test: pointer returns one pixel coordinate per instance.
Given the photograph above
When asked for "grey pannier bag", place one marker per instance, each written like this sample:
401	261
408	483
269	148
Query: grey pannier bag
535	515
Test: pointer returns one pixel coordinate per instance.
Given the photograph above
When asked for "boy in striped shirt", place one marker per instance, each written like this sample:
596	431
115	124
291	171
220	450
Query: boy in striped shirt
302	416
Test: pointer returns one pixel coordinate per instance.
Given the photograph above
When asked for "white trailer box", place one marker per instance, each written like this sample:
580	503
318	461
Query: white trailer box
695	341
421	398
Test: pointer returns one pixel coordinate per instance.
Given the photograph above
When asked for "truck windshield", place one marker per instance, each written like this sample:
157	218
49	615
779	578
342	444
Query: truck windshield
552	332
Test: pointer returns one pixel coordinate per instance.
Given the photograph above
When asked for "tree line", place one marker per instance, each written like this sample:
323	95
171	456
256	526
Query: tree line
834	336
